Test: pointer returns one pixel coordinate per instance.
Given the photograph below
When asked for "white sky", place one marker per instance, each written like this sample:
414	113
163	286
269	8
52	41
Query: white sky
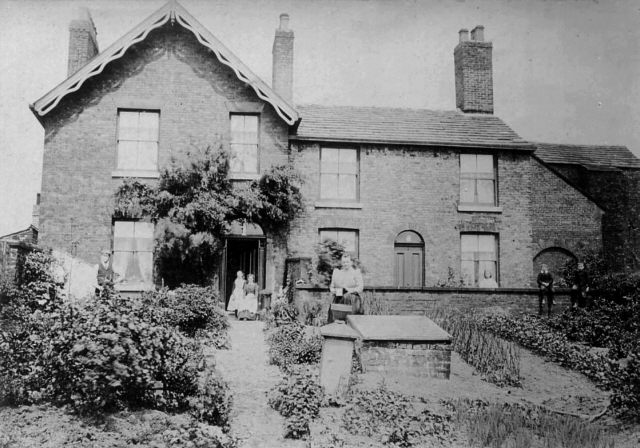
564	71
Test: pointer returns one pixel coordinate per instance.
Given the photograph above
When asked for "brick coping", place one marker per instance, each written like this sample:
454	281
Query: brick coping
443	290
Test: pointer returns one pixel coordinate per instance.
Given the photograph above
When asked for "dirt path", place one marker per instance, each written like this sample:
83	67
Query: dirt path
245	367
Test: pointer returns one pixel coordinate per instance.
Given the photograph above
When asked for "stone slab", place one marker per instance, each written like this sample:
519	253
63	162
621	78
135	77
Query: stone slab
398	328
335	365
339	331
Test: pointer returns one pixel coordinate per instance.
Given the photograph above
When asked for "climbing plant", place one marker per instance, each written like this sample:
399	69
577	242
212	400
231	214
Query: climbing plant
194	203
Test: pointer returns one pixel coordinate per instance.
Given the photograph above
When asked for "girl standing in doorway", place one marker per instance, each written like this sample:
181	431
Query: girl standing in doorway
248	308
238	293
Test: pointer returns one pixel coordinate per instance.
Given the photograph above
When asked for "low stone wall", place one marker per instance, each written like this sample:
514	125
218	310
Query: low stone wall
417	300
405	358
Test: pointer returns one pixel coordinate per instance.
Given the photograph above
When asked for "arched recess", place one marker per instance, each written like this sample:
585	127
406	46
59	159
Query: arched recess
555	258
409	260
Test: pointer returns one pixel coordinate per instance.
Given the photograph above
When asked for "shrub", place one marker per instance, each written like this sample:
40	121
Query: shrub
626	388
213	403
36	286
192	309
393	418
328	255
497	360
297	398
290	345
281	313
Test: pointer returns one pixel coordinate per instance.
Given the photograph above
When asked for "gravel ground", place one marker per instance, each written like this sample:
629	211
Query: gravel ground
250	377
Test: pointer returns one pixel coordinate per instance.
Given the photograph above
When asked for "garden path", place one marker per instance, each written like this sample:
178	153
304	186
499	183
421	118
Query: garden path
245	367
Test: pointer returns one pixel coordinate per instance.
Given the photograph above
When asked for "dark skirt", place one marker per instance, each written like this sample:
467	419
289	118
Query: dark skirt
350	298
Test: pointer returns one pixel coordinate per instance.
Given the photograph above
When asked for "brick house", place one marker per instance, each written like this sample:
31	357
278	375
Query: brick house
416	194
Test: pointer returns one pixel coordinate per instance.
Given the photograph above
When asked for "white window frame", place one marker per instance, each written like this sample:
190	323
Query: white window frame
137	169
137	247
236	142
338	174
477	176
478	258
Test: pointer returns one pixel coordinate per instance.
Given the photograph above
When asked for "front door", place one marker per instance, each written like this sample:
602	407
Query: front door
408	266
242	254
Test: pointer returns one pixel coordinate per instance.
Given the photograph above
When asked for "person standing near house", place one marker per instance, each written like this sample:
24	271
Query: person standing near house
238	293
248	307
545	289
580	287
105	275
346	286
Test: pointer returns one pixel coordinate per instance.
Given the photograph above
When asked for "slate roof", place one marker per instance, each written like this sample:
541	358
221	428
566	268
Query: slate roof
405	126
590	156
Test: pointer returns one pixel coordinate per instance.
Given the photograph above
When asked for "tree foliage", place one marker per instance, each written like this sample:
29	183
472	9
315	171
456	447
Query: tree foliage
194	204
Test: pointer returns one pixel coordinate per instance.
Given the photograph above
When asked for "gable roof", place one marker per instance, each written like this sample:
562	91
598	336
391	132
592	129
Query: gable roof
405	126
176	13
596	157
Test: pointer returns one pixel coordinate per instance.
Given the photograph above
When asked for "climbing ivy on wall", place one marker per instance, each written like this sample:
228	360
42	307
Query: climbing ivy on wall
193	205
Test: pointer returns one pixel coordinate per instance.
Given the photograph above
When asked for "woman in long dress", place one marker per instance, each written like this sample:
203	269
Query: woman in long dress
248	307
238	293
346	286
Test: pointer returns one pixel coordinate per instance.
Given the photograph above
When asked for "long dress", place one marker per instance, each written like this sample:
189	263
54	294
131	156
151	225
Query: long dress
237	295
250	301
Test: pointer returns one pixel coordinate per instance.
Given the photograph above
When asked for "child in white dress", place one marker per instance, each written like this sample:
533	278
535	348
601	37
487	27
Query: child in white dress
248	307
238	293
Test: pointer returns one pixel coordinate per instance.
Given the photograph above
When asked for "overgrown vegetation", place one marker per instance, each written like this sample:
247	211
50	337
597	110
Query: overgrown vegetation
501	425
297	397
110	353
393	418
193	205
497	360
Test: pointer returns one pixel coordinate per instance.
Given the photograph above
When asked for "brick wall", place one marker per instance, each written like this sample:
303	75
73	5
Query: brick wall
617	191
169	71
405	188
565	221
474	76
420	360
416	301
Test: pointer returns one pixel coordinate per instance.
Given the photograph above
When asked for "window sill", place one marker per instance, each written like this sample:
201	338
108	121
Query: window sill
337	204
244	176
479	208
146	174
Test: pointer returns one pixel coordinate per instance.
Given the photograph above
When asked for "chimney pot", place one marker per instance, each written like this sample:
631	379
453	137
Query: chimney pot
284	22
477	33
464	35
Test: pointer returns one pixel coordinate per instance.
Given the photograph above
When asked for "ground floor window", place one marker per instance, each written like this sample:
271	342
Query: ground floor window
347	237
479	259
133	254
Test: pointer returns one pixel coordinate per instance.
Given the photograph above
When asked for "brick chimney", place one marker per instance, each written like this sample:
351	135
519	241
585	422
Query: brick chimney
283	59
83	45
474	72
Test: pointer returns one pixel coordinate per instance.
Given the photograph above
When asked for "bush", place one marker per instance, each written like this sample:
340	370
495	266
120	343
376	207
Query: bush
328	255
626	388
282	313
290	345
192	309
297	398
213	403
393	418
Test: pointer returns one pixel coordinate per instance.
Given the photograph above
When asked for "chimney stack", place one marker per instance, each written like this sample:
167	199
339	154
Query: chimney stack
83	44
282	53
474	72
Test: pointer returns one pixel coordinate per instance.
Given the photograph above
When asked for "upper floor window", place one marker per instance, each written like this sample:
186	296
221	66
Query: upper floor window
244	144
133	254
138	140
478	179
348	238
339	174
479	259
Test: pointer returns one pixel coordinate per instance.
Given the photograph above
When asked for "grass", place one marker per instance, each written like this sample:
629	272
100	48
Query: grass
496	359
508	425
374	305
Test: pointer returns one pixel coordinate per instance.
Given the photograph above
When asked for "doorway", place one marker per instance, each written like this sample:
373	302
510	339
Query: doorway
242	254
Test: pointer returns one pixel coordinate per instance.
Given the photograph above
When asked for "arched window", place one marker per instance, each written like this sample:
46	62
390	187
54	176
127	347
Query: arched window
409	260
